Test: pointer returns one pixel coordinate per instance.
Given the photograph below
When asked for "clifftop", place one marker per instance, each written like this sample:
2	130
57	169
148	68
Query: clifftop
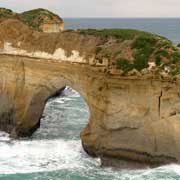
6	13
34	18
130	49
124	52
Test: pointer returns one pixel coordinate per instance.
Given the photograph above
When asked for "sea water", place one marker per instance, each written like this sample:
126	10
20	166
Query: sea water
55	152
167	27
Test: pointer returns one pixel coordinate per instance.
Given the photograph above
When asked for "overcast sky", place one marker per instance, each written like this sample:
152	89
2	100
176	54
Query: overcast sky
100	8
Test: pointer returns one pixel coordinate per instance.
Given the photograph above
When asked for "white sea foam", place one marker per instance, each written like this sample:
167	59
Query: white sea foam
4	136
41	155
69	92
44	155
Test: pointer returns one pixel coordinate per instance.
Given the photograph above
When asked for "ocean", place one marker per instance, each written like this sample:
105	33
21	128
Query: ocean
167	27
54	152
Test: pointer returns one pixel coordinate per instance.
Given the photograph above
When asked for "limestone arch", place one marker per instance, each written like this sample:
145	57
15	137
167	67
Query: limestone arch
39	99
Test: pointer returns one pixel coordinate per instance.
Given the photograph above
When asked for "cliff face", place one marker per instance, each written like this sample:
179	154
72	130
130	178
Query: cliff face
134	113
139	124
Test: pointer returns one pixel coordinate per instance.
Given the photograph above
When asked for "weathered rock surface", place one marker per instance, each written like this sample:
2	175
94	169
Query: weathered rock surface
135	120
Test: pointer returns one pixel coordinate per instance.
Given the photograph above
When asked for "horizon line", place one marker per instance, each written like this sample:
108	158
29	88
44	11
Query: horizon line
123	17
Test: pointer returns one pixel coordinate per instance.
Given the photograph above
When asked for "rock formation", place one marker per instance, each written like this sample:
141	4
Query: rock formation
129	79
38	19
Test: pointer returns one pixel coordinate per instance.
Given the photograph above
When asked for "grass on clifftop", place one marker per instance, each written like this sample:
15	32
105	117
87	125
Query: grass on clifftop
145	47
37	12
6	13
33	18
124	34
143	44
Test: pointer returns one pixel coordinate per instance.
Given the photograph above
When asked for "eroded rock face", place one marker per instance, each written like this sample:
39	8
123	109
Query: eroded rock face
134	120
139	124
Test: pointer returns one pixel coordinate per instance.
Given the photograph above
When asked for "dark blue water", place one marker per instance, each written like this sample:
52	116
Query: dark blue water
169	28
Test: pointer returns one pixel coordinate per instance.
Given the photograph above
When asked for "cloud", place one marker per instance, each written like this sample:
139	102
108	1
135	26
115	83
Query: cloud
100	8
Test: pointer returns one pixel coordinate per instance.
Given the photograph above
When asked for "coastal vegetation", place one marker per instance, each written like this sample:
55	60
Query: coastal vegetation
122	49
145	47
33	18
123	34
6	13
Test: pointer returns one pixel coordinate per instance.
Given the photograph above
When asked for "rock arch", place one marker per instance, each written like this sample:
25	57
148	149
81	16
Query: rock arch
124	113
134	119
35	81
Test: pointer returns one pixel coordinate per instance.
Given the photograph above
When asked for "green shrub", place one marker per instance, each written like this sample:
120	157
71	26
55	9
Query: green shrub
123	64
176	57
140	61
6	13
175	71
158	60
164	43
116	53
145	45
159	54
124	34
144	41
162	53
98	50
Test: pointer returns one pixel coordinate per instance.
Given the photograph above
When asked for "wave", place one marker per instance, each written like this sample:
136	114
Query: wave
68	91
41	155
34	156
4	137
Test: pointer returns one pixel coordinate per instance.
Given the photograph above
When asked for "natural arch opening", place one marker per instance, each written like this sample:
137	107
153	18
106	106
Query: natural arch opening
65	115
56	146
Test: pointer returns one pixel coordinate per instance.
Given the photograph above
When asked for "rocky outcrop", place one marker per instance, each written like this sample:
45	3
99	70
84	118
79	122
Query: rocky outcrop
38	19
134	113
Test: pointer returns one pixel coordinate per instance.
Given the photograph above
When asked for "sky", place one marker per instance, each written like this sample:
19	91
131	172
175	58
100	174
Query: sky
100	8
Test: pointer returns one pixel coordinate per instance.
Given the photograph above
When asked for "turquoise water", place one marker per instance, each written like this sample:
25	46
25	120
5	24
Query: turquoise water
55	152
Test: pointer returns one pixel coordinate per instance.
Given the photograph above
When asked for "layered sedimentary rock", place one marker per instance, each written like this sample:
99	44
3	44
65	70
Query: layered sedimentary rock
134	110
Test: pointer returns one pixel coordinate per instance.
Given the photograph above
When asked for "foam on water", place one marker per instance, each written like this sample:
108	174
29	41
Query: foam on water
4	137
41	155
28	156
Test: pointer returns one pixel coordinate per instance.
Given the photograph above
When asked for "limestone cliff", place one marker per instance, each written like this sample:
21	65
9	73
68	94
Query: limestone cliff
129	79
